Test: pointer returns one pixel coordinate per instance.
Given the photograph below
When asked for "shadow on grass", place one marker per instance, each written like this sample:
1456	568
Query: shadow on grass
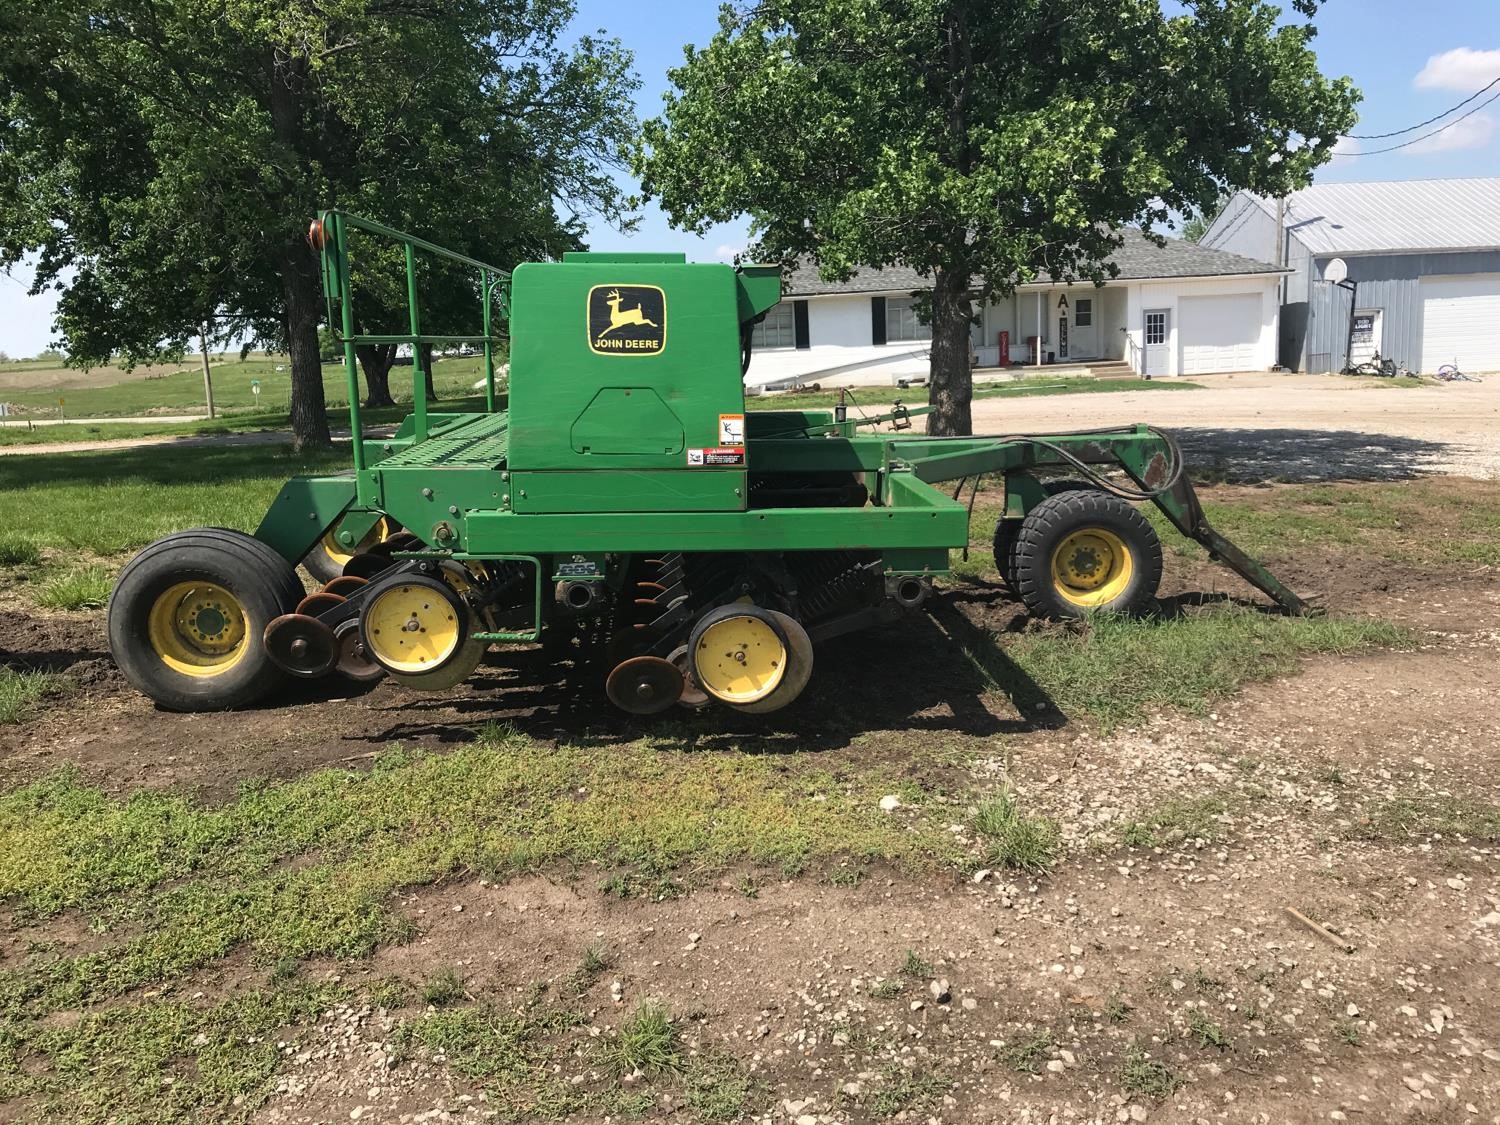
935	673
1307	456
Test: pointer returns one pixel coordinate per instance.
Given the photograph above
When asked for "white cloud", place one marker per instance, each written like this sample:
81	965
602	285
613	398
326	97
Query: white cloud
1463	70
726	251
1346	147
1471	132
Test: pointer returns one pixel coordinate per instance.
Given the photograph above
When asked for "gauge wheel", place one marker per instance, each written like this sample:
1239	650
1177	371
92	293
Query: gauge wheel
1086	552
187	617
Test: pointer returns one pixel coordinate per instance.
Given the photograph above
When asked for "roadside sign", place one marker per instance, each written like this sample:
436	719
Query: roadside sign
255	387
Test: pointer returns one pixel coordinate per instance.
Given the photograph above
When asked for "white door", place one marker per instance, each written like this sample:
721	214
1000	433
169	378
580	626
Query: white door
1085	329
1366	336
1158	334
1461	323
1219	333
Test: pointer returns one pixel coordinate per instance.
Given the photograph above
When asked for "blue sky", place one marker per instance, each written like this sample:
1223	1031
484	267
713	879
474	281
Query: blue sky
1413	60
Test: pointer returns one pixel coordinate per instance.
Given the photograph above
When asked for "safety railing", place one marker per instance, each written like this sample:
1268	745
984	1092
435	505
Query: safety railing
329	235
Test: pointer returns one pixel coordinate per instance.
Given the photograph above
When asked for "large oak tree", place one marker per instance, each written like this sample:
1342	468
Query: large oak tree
163	157
985	144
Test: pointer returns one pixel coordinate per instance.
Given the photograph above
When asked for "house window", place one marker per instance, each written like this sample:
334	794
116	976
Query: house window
778	330
1083	312
901	321
1156	328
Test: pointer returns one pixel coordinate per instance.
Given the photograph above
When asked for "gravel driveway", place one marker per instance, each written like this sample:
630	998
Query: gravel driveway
1292	427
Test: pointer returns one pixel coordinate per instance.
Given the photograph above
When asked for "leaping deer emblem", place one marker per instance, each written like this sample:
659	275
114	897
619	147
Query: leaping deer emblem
621	318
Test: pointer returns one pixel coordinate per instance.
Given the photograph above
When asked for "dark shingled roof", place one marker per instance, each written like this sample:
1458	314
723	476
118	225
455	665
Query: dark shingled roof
1139	259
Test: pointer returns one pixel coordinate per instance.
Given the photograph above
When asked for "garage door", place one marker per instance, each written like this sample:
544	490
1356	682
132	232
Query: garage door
1461	323
1219	333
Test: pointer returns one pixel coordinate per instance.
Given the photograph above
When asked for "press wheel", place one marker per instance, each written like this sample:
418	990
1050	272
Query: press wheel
644	685
738	653
798	671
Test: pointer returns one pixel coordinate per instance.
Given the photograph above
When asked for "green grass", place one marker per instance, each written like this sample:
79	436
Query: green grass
19	552
878	400
442	988
646	1041
904	1089
1118	670
1144	1076
1171	822
86	587
1413	819
178	389
21	690
110	502
1029	1053
1014	838
1205	1032
914	967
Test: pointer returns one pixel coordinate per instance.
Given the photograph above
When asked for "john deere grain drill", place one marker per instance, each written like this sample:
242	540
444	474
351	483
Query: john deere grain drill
626	513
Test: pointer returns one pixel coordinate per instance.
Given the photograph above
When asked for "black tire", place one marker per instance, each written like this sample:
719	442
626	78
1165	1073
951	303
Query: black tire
262	583
1132	566
1007	530
325	566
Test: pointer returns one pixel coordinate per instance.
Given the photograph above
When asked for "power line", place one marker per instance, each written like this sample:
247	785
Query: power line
1443	129
1429	121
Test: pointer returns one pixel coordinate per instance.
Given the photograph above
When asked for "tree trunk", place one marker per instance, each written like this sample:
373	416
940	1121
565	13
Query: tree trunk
299	285
376	359
427	371
952	378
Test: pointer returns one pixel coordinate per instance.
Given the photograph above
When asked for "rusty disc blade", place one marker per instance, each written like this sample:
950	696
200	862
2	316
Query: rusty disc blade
301	645
367	565
352	661
345	586
315	605
644	685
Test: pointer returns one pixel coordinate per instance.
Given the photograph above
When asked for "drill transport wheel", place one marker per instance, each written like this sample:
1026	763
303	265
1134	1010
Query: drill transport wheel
1086	552
738	653
301	645
187	616
798	671
644	685
327	559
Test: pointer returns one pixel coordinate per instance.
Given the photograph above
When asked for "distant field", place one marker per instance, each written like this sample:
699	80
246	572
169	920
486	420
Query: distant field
33	388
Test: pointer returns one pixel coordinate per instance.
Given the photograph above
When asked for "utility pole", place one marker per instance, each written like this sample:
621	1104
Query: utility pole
208	379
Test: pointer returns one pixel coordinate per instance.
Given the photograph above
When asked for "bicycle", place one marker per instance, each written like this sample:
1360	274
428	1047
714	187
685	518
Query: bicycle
1449	373
1375	365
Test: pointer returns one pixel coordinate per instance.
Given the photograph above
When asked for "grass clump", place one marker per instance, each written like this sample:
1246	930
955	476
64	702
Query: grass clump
21	691
19	552
87	587
1144	1076
888	988
1407	819
913	967
716	1088
1177	820
1117	1009
646	1041
442	988
1027	1055
1120	669
1014	838
903	1089
1205	1032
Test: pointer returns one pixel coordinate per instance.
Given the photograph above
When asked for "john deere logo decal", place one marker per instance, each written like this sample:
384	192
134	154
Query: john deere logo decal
627	319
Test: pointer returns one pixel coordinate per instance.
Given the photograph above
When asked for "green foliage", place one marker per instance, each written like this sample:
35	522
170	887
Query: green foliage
21	690
1143	1075
1119	669
443	988
1176	820
646	1041
1205	1032
166	168
15	551
1029	1053
84	588
908	144
905	1088
1015	838
914	967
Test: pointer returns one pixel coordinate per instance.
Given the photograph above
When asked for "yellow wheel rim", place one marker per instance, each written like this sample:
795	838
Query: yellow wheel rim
740	659
412	629
198	629
341	554
1092	567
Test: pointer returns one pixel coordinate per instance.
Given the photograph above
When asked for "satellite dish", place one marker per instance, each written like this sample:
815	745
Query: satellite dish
1336	271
